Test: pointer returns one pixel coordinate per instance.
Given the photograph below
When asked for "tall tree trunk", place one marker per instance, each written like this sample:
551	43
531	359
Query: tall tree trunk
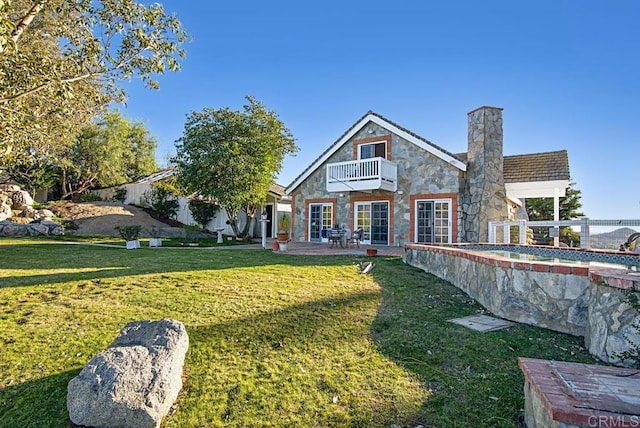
250	211
233	220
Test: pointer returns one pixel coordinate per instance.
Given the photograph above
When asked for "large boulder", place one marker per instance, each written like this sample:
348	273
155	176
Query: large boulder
5	210
21	199
18	217
44	227
134	382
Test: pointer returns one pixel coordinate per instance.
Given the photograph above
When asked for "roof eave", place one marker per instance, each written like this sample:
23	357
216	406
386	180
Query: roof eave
537	189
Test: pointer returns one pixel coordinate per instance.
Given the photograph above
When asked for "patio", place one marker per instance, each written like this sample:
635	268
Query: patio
324	248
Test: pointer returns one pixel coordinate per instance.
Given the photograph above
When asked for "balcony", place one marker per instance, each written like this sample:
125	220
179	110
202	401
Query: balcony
364	174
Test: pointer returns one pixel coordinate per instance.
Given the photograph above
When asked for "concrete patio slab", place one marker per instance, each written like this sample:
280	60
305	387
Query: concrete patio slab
482	323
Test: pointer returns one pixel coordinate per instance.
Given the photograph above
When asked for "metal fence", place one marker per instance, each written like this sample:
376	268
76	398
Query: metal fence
593	234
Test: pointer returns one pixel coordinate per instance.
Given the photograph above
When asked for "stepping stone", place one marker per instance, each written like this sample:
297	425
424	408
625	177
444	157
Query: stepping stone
482	323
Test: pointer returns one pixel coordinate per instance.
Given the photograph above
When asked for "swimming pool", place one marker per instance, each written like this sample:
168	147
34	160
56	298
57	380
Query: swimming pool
573	256
516	255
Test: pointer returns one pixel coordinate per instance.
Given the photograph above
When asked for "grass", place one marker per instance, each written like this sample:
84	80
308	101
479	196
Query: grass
275	340
203	242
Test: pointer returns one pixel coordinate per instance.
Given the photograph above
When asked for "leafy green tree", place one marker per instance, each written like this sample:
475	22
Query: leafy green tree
34	173
232	157
110	152
539	209
61	61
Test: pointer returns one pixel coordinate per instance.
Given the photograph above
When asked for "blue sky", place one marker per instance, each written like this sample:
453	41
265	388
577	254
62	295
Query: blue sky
566	73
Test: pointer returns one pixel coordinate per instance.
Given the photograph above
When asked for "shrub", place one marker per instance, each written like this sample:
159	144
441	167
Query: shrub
120	195
191	235
154	231
90	196
284	222
162	199
130	232
202	211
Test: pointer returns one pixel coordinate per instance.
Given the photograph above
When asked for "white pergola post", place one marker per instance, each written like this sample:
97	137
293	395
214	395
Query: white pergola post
556	214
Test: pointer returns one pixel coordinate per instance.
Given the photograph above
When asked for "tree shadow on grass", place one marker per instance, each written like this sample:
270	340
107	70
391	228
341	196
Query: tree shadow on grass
37	403
291	364
308	364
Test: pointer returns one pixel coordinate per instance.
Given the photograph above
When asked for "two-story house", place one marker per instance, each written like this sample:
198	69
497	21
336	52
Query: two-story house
399	187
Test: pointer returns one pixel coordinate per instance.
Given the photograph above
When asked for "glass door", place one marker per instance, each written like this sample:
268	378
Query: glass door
424	218
380	223
442	222
315	222
320	217
373	219
363	221
433	221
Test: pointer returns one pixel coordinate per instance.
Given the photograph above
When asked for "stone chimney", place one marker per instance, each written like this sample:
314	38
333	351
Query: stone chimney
484	198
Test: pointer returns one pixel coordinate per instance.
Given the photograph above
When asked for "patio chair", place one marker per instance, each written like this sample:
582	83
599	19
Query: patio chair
356	237
334	236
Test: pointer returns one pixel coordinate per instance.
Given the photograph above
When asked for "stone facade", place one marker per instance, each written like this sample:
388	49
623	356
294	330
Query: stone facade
419	173
485	195
547	299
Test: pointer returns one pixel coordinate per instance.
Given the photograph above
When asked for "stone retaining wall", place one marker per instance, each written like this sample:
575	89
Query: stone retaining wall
565	298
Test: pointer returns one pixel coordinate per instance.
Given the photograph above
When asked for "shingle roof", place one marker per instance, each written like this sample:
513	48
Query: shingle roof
277	189
547	166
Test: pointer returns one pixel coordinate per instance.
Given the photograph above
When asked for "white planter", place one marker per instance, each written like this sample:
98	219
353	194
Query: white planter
132	245
283	246
155	242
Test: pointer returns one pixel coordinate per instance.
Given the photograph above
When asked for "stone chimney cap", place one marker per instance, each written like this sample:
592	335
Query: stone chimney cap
483	107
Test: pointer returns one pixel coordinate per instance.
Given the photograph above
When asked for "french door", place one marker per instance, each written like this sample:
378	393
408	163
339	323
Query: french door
373	219
433	221
320	217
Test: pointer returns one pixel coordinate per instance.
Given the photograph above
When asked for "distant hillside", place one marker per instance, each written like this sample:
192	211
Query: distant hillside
611	240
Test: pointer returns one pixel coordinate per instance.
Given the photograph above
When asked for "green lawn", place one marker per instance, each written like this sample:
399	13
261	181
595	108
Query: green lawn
275	340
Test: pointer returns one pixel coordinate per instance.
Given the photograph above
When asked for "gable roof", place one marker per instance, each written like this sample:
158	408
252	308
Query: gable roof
533	167
371	116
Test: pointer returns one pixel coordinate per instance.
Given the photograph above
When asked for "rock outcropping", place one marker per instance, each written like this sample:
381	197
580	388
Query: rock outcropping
18	217
133	382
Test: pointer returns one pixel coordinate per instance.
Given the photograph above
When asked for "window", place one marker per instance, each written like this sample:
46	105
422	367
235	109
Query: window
372	150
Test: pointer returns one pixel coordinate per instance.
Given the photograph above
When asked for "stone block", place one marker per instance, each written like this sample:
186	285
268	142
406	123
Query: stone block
134	382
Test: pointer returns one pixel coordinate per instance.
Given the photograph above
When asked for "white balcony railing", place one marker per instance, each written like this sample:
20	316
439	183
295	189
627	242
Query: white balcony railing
364	174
